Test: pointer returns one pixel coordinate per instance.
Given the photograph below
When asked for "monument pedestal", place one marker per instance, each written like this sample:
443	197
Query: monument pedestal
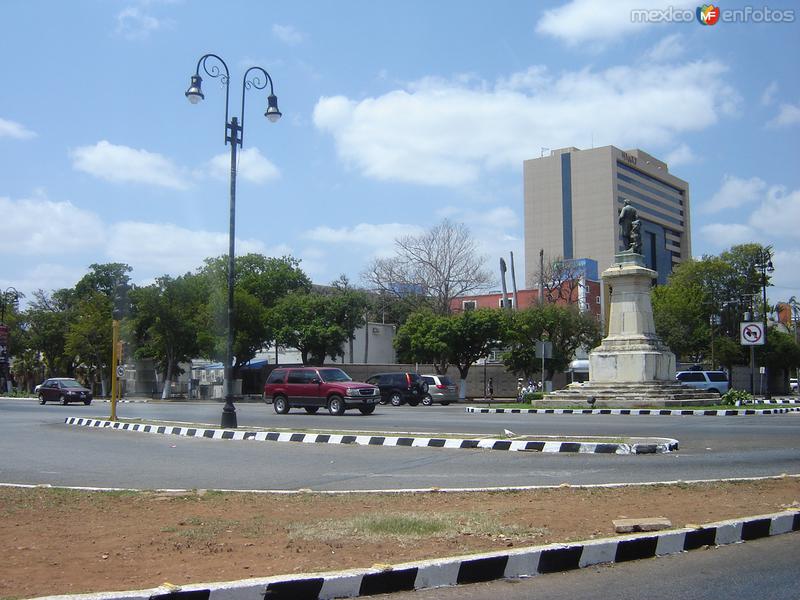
632	366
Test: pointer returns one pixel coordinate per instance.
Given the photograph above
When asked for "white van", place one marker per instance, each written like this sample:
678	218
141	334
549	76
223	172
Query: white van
712	381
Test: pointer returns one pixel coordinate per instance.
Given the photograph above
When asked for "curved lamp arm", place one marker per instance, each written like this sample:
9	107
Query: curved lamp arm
195	92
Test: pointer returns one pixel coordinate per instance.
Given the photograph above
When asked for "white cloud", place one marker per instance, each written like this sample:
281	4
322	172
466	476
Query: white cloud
593	21
667	49
768	95
45	276
446	132
788	114
40	227
122	164
772	219
778	214
288	34
378	238
159	248
682	155
735	192
724	235
15	130
253	166
133	23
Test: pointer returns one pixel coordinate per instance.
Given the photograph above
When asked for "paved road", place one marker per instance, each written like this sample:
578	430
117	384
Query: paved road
764	569
36	447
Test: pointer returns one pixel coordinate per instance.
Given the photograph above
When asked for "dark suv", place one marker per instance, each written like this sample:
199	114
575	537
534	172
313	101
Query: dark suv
400	388
315	387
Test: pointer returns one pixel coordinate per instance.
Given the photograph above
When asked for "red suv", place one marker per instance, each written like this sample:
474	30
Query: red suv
315	387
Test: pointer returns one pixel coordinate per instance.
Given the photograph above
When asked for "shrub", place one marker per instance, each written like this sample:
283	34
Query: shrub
736	397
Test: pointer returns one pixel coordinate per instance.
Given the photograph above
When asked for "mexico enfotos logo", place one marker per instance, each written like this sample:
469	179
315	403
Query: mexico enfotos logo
711	14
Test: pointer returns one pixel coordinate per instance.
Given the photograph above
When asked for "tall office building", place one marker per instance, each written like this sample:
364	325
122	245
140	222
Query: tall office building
572	202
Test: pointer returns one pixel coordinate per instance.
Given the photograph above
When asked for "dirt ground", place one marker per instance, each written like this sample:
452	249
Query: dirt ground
62	541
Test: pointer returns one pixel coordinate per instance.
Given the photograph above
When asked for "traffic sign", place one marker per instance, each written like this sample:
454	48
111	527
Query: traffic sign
751	334
120	371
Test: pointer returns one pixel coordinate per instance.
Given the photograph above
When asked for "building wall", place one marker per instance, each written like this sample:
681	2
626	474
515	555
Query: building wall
572	200
528	298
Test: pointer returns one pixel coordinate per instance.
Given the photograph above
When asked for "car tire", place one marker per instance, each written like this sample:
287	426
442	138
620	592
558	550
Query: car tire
427	400
383	401
367	410
395	399
87	402
445	403
715	390
312	410
336	406
413	402
41	399
63	400
280	404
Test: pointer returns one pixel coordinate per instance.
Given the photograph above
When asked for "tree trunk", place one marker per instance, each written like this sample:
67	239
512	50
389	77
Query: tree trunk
167	380
463	372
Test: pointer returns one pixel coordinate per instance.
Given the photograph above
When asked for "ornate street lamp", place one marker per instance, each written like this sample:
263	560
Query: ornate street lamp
234	135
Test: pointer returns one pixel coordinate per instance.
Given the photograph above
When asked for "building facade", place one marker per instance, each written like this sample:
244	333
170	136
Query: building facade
585	294
572	200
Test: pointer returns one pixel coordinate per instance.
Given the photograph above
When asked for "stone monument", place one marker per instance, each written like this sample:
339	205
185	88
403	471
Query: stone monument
631	366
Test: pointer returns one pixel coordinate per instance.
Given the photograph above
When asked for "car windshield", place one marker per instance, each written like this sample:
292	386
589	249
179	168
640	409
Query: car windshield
71	384
329	375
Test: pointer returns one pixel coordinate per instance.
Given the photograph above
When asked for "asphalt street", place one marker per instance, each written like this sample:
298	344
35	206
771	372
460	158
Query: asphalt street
38	448
765	569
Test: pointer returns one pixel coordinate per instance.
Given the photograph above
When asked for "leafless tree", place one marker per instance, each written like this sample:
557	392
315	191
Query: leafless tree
561	280
432	268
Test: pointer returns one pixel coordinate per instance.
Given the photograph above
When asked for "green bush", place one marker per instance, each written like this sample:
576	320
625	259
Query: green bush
531	396
736	397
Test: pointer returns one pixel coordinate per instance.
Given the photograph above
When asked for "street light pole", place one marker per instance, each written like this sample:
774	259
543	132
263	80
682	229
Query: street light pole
234	135
764	265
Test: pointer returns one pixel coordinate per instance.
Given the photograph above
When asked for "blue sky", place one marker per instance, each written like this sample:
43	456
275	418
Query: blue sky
396	115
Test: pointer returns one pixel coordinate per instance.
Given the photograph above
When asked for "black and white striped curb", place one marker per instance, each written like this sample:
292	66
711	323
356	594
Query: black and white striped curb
126	401
780	401
733	412
523	562
651	446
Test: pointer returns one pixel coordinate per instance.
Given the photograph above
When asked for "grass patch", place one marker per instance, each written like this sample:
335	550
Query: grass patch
410	526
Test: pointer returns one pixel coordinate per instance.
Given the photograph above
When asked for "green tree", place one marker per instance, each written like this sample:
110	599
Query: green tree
471	335
423	338
89	336
259	284
681	314
48	317
728	286
310	323
565	327
169	323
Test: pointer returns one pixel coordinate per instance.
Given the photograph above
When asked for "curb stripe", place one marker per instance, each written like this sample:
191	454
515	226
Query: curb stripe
661	445
635	412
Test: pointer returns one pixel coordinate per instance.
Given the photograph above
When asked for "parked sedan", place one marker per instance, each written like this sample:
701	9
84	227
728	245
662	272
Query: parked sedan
441	389
64	391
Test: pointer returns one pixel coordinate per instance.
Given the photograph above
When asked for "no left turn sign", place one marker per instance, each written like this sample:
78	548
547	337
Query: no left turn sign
751	334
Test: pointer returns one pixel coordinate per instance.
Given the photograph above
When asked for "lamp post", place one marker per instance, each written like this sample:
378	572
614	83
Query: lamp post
9	296
234	135
764	266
